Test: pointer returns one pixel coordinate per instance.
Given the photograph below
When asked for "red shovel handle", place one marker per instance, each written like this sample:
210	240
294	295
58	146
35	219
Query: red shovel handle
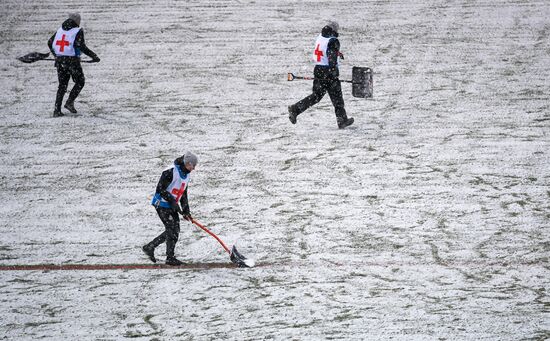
210	233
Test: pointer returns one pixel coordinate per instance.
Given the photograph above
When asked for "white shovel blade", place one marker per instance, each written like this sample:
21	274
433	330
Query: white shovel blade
249	262
241	260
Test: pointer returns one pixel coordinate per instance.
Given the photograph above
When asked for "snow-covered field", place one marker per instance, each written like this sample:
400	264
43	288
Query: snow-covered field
426	220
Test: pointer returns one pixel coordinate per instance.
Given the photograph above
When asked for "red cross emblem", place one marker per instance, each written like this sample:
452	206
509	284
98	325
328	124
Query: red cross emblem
318	53
62	43
178	192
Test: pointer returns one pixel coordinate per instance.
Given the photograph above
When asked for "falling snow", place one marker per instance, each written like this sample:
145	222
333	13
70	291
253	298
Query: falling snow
428	219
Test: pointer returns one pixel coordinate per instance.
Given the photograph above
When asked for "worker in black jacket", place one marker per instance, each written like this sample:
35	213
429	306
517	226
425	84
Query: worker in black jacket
170	200
66	45
326	73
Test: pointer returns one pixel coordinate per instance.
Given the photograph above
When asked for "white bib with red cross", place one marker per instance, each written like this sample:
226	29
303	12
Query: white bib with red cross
320	56
63	44
178	184
176	188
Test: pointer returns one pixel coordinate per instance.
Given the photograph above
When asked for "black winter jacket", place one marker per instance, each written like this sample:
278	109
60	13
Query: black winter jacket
78	43
165	180
331	71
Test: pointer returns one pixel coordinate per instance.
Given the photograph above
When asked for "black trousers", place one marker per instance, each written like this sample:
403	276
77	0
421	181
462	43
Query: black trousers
320	88
68	68
171	222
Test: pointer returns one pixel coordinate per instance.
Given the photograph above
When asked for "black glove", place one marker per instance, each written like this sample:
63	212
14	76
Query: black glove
95	59
186	214
176	208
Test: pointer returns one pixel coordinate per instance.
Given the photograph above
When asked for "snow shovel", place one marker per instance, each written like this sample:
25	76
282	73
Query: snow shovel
361	81
234	255
36	56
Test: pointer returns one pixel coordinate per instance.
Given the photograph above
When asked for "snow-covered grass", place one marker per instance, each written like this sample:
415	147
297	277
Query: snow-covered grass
426	220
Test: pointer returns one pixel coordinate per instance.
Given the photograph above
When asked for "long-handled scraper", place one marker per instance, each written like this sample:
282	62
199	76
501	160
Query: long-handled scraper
362	86
234	255
37	56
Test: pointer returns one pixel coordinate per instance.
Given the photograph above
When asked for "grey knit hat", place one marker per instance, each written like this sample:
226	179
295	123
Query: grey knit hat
333	25
75	17
191	158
